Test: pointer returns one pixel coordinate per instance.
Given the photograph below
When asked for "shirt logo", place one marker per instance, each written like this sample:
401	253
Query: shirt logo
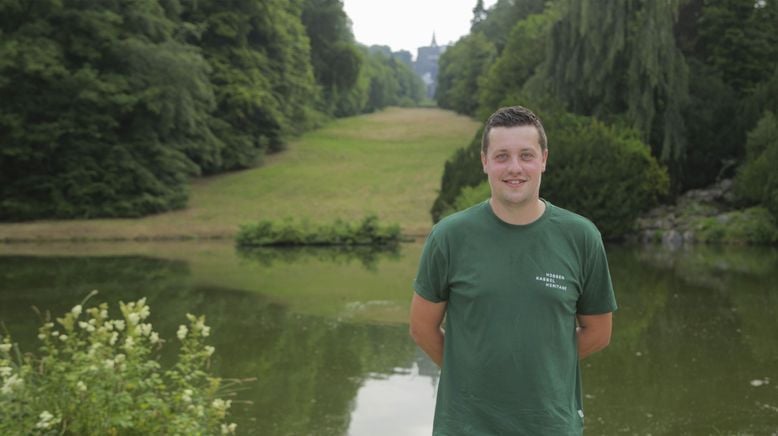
550	280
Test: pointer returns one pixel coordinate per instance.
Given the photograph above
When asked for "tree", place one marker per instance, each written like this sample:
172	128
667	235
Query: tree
757	181
459	69
517	63
335	57
620	57
104	113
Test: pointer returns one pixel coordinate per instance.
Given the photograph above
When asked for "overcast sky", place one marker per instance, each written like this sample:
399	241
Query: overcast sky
408	24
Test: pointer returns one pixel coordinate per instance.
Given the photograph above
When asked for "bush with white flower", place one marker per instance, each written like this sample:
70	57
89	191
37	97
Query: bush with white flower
95	375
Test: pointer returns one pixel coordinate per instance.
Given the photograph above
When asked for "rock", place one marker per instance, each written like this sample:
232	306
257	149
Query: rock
689	237
673	239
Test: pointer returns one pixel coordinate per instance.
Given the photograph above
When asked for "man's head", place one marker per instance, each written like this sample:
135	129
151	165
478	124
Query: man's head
513	116
514	154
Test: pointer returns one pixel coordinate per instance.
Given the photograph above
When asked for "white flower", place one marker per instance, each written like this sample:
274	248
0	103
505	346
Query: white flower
114	338
119	324
103	314
187	396
227	429
182	331
206	331
5	348
41	336
133	318
55	333
154	338
76	310
46	420
63	338
128	343
5	371
220	404
145	312
119	358
109	363
10	384
81	386
209	350
86	326
145	329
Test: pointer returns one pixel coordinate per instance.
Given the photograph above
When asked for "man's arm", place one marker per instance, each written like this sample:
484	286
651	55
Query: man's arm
426	331
594	333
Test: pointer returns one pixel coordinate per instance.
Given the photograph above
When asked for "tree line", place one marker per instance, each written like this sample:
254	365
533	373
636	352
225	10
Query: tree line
689	88
110	107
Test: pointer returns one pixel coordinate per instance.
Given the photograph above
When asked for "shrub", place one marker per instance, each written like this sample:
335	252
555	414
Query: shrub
601	172
96	376
757	181
754	225
291	232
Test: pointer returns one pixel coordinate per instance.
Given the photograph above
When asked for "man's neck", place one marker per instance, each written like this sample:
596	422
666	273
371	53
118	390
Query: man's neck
519	215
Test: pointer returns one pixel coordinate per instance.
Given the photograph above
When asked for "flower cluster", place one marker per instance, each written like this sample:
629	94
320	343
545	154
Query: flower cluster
97	375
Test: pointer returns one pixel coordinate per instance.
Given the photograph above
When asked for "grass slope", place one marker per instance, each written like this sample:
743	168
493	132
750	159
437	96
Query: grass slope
388	163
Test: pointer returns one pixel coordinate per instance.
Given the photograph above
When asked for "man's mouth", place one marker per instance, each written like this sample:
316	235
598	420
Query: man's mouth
514	182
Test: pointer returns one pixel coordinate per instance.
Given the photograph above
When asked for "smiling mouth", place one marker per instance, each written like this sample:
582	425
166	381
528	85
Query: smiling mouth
514	182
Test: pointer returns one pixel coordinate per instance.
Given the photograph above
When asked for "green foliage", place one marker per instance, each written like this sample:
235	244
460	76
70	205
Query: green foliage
94	376
335	57
714	139
390	82
460	171
620	57
496	23
468	197
517	63
458	71
290	232
757	181
103	114
738	38
603	173
754	225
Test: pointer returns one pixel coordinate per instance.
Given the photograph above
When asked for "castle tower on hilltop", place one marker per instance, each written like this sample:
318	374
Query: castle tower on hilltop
426	65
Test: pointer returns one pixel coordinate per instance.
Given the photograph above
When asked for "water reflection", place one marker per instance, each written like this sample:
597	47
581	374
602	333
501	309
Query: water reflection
324	332
368	256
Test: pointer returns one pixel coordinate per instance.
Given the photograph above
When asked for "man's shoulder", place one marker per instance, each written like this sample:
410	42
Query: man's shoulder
461	220
572	222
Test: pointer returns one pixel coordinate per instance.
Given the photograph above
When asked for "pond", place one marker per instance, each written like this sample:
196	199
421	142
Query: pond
325	331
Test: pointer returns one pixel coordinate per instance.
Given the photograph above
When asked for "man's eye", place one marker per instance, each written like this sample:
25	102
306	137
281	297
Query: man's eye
527	156
501	156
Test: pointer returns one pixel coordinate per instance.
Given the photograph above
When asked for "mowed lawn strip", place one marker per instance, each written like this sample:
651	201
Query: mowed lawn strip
388	163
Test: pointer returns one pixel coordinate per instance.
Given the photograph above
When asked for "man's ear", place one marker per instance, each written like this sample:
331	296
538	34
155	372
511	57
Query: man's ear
483	161
545	159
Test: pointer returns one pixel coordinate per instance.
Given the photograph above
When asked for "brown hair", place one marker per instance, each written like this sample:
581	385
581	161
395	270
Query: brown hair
513	116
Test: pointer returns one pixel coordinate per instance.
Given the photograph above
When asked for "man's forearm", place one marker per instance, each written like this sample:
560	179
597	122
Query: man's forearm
431	342
589	342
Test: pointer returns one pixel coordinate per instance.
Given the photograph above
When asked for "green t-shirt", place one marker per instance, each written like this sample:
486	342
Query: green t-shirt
510	361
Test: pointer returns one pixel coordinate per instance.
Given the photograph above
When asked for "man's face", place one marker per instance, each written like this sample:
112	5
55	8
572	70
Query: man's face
514	163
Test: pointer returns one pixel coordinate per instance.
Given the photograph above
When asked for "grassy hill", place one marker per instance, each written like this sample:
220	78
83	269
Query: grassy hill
388	163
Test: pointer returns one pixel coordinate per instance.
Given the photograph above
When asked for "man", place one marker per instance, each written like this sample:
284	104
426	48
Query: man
525	290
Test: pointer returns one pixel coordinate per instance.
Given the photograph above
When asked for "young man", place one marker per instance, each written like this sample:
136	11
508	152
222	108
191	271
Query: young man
525	290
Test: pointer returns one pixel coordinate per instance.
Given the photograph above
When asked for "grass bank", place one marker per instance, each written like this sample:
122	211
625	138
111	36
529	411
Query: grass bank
388	164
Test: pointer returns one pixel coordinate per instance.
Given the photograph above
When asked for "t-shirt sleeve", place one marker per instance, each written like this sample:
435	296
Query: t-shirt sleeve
597	296
431	281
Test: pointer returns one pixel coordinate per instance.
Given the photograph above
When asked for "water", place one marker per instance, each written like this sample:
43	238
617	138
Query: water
324	332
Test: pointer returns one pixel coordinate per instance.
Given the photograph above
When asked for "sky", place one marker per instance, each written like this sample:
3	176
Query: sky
408	24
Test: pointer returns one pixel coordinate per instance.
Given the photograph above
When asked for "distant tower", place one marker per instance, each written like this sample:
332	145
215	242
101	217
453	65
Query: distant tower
426	65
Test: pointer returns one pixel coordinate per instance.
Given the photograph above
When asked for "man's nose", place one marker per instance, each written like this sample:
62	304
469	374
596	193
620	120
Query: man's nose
514	165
